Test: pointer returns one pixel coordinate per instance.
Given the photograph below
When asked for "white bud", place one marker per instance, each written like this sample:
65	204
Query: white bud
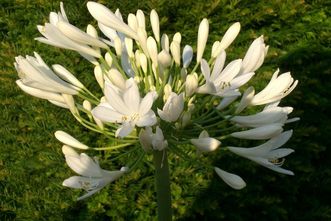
152	50
66	75
175	51
67	139
129	46
143	62
191	84
140	19
99	75
155	25
233	180
116	78
205	143
87	105
142	39
109	59
164	58
118	46
202	38
187	55
132	22
165	42
216	49
230	35
90	30
177	37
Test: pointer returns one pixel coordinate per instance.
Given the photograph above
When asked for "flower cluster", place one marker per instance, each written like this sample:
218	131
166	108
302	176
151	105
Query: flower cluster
159	94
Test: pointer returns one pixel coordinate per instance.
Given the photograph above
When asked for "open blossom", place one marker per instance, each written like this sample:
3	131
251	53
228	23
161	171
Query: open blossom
93	178
173	108
126	108
268	154
278	88
223	82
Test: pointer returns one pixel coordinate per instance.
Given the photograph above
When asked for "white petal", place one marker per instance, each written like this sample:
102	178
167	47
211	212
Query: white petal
83	165
107	115
125	129
260	133
149	119
132	98
146	103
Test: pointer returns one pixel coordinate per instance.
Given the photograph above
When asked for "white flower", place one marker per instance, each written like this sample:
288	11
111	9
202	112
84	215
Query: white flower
60	33
254	56
226	81
268	154
267	116
92	178
34	73
233	180
150	140
278	88
103	15
205	143
172	108
126	107
67	139
260	133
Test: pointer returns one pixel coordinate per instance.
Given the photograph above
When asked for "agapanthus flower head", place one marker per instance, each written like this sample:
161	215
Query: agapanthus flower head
159	96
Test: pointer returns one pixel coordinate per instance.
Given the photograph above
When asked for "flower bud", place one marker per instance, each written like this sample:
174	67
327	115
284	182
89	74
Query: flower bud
152	50
175	51
202	38
67	139
132	22
99	76
155	23
191	84
233	180
118	46
165	42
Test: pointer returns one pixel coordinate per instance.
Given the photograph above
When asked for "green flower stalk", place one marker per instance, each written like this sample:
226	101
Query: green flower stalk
158	99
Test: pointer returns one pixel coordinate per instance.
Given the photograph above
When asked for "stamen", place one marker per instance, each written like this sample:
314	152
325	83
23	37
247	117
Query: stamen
277	162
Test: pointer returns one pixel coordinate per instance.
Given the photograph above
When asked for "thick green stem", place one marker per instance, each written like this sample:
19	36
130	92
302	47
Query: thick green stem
162	184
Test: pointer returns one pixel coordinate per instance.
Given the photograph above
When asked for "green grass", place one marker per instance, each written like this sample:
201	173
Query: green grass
32	167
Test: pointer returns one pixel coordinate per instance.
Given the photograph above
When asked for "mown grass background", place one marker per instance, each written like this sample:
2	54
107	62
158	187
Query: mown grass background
32	167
